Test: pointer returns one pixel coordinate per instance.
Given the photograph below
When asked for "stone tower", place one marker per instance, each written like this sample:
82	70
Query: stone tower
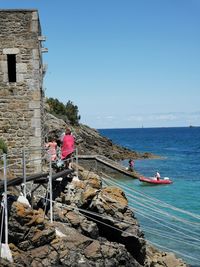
21	84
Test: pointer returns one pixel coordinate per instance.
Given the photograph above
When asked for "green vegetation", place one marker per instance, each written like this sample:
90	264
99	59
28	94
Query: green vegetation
67	111
3	147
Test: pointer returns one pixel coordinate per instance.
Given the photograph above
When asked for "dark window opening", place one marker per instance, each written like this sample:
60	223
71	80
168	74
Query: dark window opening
11	68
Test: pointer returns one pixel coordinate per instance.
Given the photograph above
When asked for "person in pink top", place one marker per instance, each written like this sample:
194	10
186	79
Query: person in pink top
67	147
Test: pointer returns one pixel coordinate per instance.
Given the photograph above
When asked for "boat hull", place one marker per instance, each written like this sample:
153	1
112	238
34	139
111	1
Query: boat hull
154	181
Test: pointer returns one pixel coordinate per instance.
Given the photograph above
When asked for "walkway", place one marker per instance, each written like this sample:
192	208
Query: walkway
36	178
112	164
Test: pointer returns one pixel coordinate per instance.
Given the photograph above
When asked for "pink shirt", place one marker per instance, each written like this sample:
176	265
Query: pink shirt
67	146
52	149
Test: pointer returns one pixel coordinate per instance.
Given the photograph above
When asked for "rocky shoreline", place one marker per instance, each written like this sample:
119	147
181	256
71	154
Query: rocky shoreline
92	226
92	223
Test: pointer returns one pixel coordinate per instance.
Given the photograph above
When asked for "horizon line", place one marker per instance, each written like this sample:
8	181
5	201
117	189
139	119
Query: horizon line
151	127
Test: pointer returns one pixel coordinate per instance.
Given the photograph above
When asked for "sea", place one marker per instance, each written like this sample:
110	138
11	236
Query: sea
169	215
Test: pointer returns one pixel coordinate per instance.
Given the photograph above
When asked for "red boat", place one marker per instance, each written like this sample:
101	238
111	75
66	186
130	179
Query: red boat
153	180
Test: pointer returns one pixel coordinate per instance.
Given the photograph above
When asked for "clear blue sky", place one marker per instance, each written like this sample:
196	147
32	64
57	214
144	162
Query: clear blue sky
124	63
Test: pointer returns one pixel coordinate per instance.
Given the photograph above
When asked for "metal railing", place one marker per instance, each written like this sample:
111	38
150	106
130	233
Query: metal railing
23	159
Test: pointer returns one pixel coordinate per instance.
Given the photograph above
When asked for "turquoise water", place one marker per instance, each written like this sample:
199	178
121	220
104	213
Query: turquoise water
179	230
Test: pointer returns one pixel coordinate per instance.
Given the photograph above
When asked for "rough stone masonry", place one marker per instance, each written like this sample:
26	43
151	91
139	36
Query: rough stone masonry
21	84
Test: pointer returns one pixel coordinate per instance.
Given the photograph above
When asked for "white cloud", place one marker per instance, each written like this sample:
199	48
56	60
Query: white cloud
162	117
170	119
110	117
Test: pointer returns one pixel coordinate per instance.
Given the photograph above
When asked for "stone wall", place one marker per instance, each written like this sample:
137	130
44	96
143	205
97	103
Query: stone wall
21	101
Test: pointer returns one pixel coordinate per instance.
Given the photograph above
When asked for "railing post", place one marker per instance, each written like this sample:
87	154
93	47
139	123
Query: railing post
1	233
5	198
77	162
24	171
50	189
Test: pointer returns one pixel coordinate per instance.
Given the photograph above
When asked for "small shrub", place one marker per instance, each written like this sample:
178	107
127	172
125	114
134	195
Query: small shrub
3	147
67	111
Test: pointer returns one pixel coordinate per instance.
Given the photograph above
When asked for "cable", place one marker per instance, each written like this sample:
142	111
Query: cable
175	251
158	222
174	238
122	231
196	216
150	216
150	208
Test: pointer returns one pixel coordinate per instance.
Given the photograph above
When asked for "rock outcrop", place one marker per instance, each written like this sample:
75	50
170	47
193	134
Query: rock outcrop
36	242
93	226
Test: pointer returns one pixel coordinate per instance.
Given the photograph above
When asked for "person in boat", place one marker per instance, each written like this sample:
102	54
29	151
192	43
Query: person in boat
157	175
130	165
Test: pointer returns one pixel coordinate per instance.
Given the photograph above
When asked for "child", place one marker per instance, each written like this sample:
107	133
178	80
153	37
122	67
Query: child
52	147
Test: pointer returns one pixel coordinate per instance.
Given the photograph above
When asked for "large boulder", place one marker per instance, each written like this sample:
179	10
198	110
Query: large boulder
28	228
